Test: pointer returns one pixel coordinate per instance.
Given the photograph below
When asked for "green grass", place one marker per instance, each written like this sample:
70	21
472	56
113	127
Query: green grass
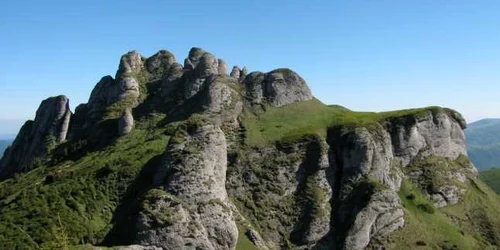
478	214
244	242
425	230
491	178
313	117
84	193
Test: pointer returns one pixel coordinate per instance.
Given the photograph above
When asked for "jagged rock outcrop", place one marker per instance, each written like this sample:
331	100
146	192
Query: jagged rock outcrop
333	190
130	63
381	155
37	138
235	72
203	66
194	198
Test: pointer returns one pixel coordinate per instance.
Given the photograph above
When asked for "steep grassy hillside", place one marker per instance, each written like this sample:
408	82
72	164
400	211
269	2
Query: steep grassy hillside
81	200
483	143
491	178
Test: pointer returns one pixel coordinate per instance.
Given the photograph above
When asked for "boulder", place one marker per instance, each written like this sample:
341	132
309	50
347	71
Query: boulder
283	86
125	122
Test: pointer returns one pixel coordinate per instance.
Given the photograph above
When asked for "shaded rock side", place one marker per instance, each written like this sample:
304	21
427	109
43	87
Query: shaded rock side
202	66
284	191
235	72
37	138
193	199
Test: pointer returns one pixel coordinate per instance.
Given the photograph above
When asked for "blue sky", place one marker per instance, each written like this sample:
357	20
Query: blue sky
365	55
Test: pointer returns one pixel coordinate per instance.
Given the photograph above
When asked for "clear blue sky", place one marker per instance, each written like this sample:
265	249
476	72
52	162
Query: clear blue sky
366	55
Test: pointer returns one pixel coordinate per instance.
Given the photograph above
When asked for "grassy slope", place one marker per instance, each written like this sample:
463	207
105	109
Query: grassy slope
311	117
427	230
83	195
491	178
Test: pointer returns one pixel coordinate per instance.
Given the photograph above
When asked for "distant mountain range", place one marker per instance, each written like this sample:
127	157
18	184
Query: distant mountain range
3	145
483	143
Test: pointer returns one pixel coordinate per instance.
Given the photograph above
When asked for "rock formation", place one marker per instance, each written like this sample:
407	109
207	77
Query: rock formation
334	187
222	67
278	87
235	72
126	122
194	197
37	138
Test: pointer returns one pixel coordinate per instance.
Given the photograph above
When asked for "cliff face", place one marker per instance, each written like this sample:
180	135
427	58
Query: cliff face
331	179
37	138
386	153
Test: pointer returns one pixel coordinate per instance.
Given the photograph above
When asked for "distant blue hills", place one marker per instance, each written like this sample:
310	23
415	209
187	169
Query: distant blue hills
3	145
483	143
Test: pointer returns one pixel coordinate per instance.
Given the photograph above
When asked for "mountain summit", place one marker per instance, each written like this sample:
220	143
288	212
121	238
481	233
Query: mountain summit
171	156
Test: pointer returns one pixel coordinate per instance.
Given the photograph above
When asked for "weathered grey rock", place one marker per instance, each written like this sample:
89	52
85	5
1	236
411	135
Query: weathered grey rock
131	62
381	216
171	82
195	197
101	97
235	72
107	92
319	225
221	101
380	153
159	64
206	67
222	67
243	73
283	86
132	247
370	155
433	134
129	88
37	138
126	122
193	58
254	86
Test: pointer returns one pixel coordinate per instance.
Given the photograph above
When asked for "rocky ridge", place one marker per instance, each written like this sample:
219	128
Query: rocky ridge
337	190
